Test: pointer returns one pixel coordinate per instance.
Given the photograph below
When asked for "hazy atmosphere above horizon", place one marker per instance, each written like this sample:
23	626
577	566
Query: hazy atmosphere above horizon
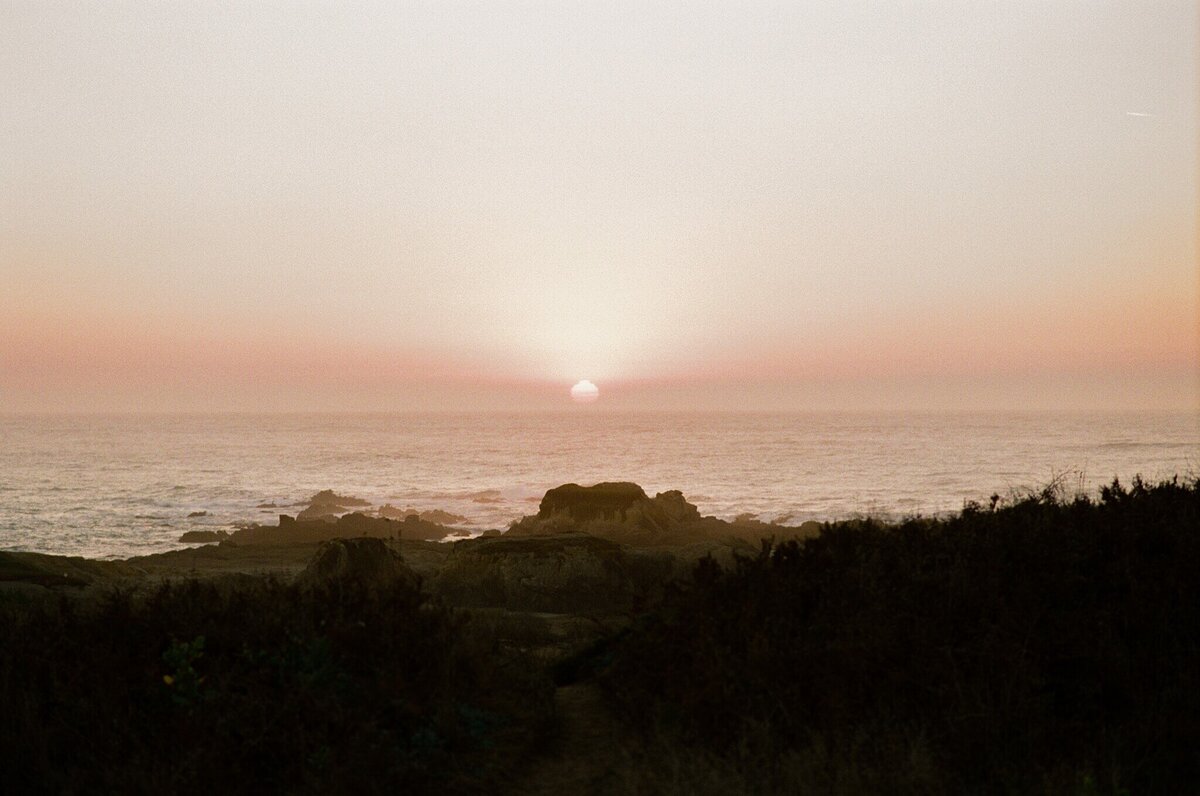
804	205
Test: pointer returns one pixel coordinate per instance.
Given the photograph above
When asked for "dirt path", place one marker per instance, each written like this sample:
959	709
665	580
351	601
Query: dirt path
588	756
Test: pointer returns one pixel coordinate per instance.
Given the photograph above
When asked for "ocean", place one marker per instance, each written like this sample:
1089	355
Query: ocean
124	485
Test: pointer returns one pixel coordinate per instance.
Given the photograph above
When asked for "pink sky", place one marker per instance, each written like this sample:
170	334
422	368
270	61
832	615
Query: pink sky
441	207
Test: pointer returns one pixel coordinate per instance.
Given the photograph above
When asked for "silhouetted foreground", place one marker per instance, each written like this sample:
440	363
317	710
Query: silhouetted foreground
1041	646
1049	646
348	680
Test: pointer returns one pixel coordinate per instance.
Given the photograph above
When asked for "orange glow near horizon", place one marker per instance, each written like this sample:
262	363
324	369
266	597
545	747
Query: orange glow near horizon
727	209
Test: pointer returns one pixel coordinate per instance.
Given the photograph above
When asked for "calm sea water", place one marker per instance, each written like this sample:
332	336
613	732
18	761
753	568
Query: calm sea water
125	485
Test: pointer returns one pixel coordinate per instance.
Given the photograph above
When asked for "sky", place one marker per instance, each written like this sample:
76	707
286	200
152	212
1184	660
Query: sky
788	206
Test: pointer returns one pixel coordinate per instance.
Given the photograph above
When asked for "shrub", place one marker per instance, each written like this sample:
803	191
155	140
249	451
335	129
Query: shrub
256	685
1043	646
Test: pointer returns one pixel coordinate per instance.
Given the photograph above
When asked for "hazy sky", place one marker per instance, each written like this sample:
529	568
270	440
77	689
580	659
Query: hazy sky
441	205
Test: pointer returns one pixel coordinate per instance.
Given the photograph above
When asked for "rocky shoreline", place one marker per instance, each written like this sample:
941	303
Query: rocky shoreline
617	642
595	548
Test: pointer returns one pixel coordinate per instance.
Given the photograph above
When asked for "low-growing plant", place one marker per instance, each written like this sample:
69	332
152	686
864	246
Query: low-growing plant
1041	646
257	686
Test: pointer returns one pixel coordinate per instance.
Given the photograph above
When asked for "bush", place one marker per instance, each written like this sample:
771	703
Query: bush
256	685
1049	645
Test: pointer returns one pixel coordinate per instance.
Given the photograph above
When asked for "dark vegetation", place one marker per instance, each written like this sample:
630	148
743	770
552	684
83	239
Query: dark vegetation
1048	646
252	685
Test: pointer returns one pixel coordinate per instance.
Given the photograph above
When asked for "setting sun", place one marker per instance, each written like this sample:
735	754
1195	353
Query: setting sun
584	392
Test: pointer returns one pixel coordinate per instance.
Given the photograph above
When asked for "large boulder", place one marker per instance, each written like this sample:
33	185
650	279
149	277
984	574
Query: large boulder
620	511
608	501
624	513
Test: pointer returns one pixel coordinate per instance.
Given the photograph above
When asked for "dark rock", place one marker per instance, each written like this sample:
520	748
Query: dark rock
431	515
444	517
198	514
622	512
355	524
619	511
416	528
328	497
605	501
204	537
323	513
392	513
675	507
328	505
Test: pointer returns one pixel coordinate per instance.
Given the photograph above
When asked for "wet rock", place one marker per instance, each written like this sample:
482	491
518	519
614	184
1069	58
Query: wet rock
431	515
444	517
204	537
328	505
328	497
198	514
355	524
392	513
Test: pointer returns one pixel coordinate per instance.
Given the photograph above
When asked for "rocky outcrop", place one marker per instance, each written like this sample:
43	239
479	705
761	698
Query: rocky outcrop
620	511
355	524
327	497
321	513
431	515
609	501
368	562
204	537
328	505
624	513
